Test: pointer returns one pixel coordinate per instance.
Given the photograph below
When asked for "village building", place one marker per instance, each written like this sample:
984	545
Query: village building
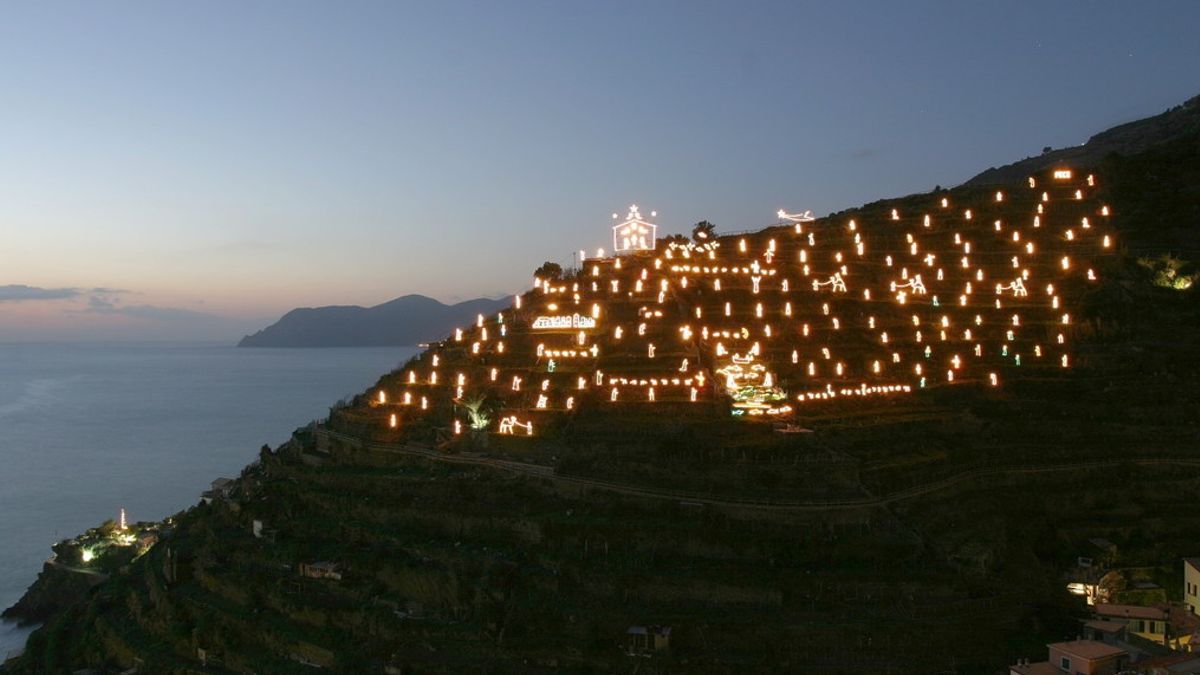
218	489
1150	623
1191	584
647	640
1108	632
322	569
1077	657
1174	664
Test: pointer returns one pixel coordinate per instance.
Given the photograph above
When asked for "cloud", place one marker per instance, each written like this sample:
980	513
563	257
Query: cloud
110	306
21	292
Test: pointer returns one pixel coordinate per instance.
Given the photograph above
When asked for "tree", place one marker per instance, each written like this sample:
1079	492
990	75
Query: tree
675	239
477	412
549	270
1167	271
703	231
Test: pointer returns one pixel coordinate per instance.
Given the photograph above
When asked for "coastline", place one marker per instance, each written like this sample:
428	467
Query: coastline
123	444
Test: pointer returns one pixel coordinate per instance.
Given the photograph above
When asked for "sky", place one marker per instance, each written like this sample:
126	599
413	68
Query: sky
180	171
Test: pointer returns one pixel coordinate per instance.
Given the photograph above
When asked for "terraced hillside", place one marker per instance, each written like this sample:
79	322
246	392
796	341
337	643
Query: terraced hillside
919	526
971	289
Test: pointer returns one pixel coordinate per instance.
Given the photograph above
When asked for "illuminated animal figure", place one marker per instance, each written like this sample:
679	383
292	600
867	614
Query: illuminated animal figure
507	425
835	281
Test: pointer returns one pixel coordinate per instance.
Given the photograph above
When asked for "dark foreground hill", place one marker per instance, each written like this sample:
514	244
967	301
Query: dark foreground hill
924	531
406	321
1127	139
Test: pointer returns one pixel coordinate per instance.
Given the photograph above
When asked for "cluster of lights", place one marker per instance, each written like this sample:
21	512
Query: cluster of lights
862	390
922	307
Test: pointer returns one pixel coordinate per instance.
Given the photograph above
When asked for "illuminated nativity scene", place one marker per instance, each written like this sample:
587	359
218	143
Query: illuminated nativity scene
767	326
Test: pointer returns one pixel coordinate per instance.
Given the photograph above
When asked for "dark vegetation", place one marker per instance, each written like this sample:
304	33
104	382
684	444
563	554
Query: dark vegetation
1125	140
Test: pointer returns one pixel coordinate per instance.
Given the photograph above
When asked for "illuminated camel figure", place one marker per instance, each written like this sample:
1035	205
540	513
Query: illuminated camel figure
1017	287
836	281
508	423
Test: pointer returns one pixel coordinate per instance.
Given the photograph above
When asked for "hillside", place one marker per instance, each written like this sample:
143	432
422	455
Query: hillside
406	321
867	443
1126	139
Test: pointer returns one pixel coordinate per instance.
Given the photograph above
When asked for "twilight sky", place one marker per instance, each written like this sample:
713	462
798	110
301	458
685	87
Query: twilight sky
193	170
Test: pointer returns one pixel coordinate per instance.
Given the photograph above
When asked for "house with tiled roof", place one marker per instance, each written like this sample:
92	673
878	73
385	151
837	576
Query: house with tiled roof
1150	623
1077	657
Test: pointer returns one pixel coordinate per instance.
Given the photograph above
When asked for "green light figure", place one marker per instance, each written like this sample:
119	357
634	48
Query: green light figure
551	366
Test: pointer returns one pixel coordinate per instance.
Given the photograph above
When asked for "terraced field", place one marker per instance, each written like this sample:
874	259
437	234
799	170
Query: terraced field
914	530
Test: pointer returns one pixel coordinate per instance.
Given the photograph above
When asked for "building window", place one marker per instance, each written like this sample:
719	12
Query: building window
1065	663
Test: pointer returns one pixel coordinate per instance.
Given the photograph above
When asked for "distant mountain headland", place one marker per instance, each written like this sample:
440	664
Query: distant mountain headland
406	321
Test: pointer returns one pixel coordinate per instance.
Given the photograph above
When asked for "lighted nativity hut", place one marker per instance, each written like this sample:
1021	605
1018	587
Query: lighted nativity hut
634	234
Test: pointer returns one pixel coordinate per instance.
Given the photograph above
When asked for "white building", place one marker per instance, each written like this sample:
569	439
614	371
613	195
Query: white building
1191	584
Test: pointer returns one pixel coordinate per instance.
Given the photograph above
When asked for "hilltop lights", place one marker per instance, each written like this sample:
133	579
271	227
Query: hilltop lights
723	309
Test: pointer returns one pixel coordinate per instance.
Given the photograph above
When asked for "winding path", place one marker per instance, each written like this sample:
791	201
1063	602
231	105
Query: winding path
547	472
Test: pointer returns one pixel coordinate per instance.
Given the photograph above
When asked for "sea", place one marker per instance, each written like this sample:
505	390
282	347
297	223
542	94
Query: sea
89	429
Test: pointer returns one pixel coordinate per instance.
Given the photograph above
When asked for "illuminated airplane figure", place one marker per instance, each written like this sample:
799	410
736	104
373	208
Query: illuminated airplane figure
508	423
805	217
839	285
1017	287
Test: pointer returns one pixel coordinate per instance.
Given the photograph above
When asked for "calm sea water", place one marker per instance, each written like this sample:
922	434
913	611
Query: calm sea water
88	429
